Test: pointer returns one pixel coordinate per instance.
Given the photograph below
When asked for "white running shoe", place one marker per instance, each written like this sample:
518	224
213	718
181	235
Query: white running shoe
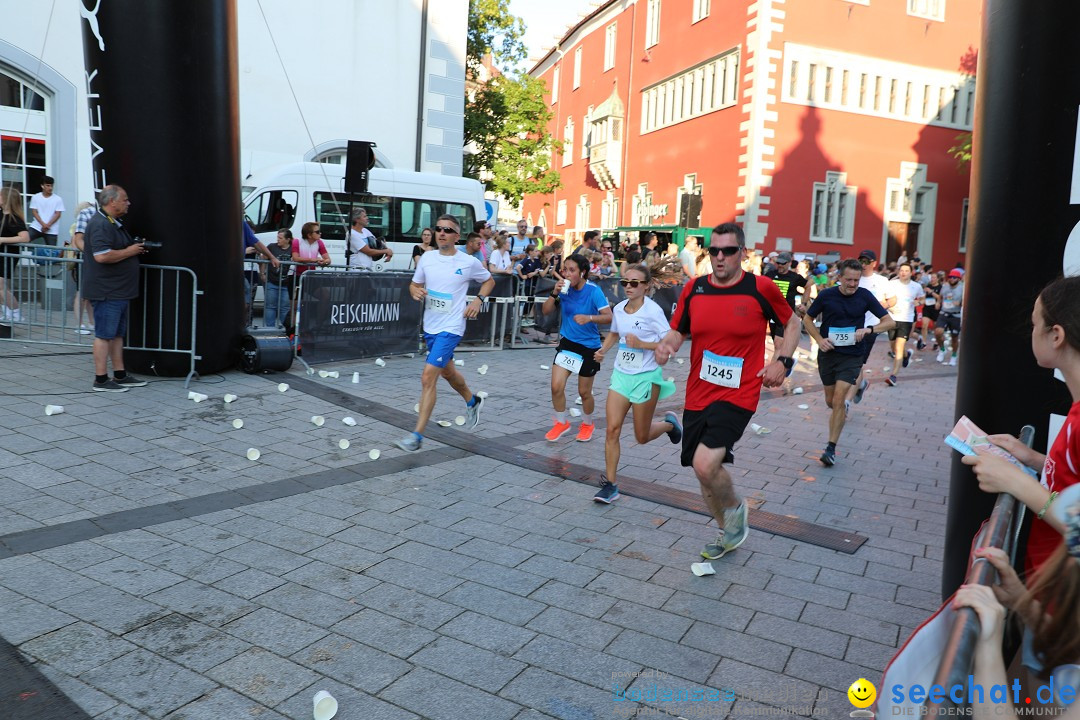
16	315
952	360
941	356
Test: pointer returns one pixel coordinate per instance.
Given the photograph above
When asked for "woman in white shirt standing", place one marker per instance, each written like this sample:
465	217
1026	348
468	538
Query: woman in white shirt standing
499	262
638	324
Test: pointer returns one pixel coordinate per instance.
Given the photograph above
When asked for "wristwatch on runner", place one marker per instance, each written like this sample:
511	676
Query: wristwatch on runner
787	362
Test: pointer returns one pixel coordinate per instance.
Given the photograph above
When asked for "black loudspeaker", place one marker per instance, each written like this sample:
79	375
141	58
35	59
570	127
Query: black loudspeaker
261	352
690	212
359	160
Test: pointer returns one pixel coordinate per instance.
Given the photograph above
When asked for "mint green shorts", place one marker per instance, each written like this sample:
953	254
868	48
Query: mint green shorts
638	388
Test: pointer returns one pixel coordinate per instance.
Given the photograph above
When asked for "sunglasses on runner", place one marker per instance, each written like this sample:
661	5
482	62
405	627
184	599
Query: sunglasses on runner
447	230
631	283
728	251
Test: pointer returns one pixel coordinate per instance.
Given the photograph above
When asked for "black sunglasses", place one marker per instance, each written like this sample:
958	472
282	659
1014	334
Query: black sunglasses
448	230
728	251
631	283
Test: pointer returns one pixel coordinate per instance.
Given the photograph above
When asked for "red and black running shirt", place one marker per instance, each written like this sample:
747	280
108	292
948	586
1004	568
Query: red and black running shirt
728	321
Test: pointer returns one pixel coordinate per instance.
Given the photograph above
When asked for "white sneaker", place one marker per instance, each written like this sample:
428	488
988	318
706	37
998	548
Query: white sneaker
83	330
16	315
6	315
952	360
941	356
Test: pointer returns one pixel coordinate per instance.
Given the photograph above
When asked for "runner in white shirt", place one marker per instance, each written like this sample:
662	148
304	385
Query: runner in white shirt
638	324
909	295
879	285
441	282
362	254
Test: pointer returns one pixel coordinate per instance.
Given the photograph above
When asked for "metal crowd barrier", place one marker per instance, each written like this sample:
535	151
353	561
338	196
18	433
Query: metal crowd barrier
40	281
1000	531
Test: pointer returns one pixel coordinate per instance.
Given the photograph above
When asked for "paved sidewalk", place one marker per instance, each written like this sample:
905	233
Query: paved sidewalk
149	569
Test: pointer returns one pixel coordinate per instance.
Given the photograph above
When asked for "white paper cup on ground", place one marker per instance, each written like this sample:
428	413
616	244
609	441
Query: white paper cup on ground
283	387
459	363
325	706
444	423
680	360
323	374
351	422
333	374
253	454
54	409
238	423
416	408
343	444
374	453
700	569
574	412
459	420
356	377
482	369
196	396
229	397
797	391
380	362
317	420
482	394
804	407
760	430
545	367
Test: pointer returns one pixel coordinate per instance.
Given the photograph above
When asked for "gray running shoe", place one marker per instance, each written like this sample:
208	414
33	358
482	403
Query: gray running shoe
736	528
859	392
715	550
109	386
472	414
130	381
409	443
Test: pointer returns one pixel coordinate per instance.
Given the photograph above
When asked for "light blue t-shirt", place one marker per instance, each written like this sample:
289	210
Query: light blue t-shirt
586	301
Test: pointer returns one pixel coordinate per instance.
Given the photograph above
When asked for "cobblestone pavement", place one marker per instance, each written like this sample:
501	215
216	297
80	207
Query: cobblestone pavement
149	569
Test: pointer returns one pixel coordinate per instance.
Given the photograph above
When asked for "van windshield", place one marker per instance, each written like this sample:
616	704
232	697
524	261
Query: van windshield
391	218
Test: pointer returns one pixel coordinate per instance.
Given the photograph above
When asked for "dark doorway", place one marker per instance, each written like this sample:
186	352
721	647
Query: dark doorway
903	240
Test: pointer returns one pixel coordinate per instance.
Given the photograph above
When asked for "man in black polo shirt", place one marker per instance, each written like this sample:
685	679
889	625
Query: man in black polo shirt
843	311
789	282
110	279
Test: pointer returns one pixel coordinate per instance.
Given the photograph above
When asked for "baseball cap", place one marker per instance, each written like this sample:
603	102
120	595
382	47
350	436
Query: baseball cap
956	273
868	254
820	269
773	254
784	257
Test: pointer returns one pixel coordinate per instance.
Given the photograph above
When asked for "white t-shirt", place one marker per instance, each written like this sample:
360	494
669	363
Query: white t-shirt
500	259
358	240
906	295
447	279
648	324
879	286
46	207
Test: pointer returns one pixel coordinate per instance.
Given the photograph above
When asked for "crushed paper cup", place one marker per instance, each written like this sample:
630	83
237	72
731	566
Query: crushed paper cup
311	371
680	360
459	420
577	400
374	453
545	367
804	407
229	397
343	444
482	369
574	412
444	423
333	374
416	408
758	429
797	391
380	362
324	706
238	423
196	396
323	373
351	422
459	363
482	394
283	387
356	377
317	420
700	569
253	454
886	369
410	355
54	409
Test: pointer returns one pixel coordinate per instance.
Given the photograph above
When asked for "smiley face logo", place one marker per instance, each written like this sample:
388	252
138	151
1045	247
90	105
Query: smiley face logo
862	693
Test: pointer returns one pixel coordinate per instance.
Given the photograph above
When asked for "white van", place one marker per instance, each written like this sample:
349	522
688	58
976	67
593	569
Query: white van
400	205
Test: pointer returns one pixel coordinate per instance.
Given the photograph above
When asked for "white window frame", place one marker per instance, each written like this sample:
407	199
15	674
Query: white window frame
582	212
838	201
610	38
927	9
701	11
560	213
555	85
609	211
964	226
705	88
568	141
577	67
586	133
652	23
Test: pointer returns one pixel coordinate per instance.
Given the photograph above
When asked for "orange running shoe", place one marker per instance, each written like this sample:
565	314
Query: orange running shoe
557	431
584	433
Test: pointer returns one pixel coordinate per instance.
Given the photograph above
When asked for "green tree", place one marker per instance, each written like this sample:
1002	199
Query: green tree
506	117
962	151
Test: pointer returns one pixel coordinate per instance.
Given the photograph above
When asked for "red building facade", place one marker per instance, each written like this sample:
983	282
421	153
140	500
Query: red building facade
823	126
